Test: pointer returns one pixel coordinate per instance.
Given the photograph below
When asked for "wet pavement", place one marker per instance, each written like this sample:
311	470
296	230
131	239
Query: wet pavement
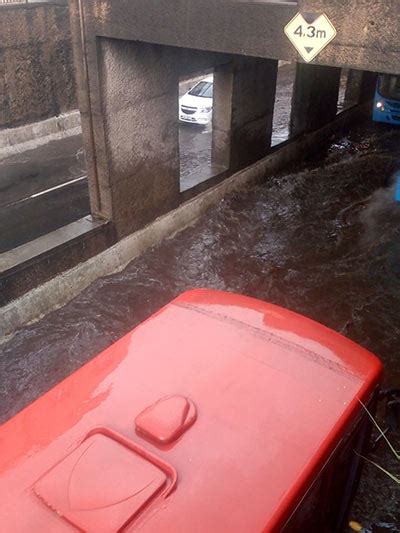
323	240
47	166
41	190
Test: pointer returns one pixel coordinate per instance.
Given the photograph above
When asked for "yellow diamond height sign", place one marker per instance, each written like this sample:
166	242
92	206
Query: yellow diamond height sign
310	38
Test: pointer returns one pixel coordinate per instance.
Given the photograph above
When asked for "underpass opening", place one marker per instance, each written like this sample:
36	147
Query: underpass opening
197	148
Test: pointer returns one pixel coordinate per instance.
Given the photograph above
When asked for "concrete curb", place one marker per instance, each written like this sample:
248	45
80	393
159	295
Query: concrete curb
30	136
58	291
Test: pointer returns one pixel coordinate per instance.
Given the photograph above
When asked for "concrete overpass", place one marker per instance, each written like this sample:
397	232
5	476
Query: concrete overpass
366	39
131	54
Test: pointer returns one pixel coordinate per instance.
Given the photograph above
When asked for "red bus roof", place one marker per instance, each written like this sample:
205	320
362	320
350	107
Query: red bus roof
214	414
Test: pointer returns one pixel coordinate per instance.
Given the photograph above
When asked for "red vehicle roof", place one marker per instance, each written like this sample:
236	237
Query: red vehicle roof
213	415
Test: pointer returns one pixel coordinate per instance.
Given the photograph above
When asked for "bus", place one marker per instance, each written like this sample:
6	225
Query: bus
387	99
220	413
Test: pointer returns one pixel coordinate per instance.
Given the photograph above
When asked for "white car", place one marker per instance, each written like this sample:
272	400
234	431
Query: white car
195	106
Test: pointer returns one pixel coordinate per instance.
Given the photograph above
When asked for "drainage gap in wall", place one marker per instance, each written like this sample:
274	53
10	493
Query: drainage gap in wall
196	130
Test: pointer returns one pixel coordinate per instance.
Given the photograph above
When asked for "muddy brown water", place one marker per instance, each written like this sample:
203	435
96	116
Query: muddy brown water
323	240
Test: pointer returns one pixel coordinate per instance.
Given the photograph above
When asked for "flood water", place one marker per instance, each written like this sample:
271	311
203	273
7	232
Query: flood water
323	240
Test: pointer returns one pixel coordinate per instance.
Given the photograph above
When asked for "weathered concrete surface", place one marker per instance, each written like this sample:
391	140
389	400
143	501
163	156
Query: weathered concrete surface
244	97
222	115
367	30
139	87
61	289
129	120
353	87
60	165
36	65
315	96
253	98
367	33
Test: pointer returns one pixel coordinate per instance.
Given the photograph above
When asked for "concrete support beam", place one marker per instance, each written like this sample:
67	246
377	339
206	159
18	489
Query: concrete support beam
368	85
222	115
353	86
315	95
360	87
244	97
139	92
367	30
252	98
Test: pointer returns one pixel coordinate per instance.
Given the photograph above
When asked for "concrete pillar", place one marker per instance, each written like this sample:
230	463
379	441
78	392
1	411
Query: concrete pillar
314	99
139	105
360	87
252	107
368	85
353	85
222	115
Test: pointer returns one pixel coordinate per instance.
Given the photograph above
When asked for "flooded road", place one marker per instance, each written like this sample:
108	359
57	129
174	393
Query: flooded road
323	240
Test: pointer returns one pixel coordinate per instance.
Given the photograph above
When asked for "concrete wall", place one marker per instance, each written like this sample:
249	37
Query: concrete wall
140	106
367	30
36	64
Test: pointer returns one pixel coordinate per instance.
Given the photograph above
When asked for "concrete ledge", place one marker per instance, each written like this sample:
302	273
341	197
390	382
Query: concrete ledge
59	290
43	259
30	136
11	261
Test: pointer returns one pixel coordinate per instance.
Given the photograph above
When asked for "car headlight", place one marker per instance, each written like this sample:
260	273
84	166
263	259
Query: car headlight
380	106
205	110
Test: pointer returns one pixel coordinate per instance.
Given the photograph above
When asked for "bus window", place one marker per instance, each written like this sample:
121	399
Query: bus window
389	86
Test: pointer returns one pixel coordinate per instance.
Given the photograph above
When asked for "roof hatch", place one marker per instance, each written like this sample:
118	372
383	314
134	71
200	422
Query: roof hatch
102	484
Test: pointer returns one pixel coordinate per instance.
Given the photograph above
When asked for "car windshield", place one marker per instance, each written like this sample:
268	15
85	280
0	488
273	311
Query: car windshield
389	86
203	89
